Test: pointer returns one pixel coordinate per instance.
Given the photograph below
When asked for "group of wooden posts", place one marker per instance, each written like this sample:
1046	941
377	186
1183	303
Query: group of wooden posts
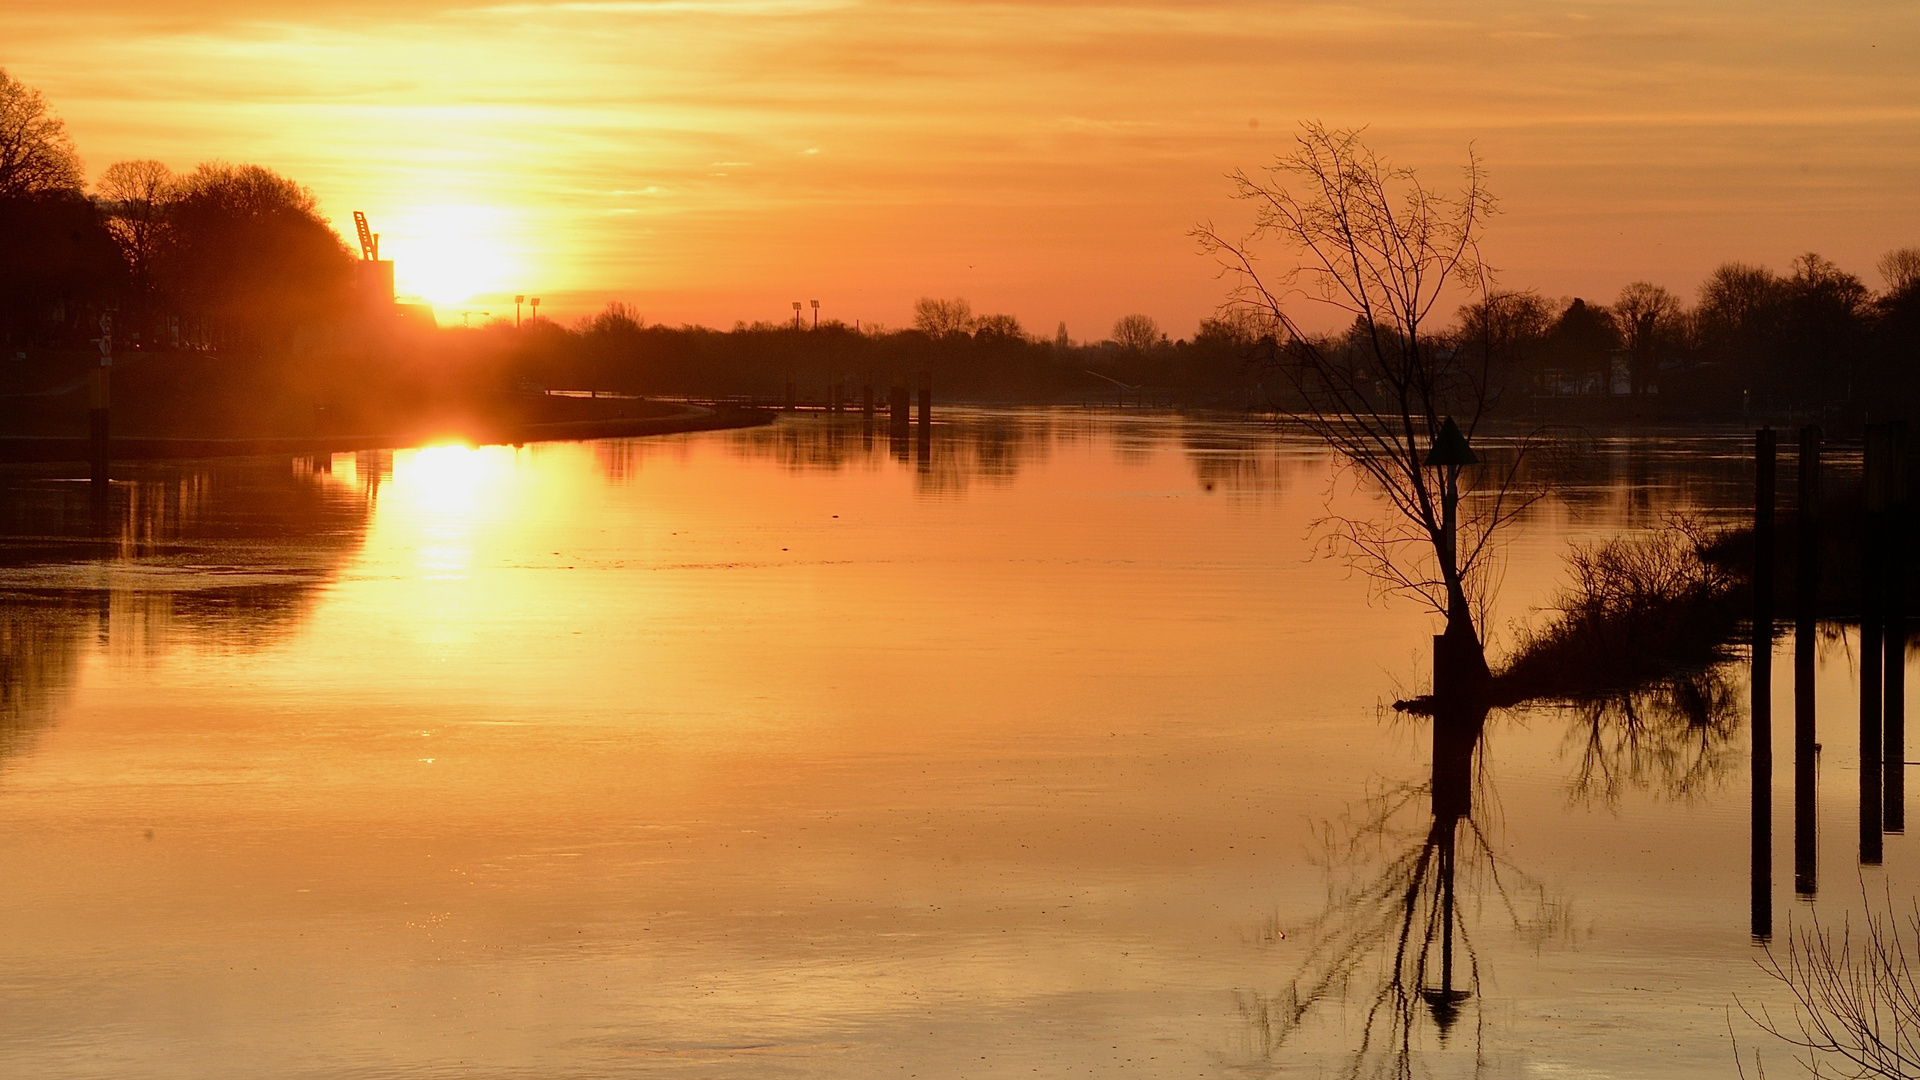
900	404
1883	539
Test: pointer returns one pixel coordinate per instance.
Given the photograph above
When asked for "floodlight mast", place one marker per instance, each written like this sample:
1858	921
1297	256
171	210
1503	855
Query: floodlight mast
369	240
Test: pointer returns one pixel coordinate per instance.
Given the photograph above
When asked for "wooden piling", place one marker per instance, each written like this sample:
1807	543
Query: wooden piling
897	408
925	420
99	423
1893	571
1872	685
1761	683
1806	599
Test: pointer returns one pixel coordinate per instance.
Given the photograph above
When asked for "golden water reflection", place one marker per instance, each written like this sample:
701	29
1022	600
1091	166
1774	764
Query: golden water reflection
762	753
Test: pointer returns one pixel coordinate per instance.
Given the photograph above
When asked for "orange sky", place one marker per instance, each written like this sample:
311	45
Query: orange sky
714	160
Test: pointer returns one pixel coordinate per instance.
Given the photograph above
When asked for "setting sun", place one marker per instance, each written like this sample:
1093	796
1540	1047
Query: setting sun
451	255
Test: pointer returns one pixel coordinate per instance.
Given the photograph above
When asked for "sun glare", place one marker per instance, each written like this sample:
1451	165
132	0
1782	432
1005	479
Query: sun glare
448	255
448	480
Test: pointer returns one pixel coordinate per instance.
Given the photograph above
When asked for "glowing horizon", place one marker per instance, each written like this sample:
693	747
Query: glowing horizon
713	161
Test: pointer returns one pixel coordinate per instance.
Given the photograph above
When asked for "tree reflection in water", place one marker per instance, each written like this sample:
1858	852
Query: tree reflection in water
1395	942
1675	738
40	645
1394	949
980	445
228	554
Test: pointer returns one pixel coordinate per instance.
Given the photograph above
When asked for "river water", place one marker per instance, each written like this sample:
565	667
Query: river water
787	752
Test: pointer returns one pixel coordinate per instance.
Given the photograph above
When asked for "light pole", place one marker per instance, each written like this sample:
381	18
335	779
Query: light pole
796	315
517	301
816	314
99	403
1450	453
534	303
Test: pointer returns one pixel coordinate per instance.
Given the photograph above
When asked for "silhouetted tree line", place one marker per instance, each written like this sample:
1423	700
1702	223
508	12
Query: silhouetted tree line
230	268
227	257
987	357
1813	340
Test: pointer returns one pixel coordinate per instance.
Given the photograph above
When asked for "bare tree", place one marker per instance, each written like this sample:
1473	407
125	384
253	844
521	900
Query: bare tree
1372	240
1649	317
36	154
999	328
1900	269
1856	1010
940	318
134	195
1137	332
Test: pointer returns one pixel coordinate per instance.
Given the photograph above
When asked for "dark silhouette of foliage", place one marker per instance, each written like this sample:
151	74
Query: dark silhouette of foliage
59	268
1638	609
247	247
1582	342
36	154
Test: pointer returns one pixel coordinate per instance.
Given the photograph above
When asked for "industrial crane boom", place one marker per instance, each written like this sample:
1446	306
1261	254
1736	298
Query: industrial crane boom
369	240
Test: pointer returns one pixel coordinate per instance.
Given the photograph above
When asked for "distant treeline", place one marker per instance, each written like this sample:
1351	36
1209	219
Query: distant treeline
1813	340
228	271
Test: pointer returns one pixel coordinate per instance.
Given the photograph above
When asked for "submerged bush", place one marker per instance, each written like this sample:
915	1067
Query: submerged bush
1639	608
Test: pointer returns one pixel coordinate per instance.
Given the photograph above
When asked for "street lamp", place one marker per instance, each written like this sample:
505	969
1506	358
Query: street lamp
1449	452
796	314
816	314
534	303
517	301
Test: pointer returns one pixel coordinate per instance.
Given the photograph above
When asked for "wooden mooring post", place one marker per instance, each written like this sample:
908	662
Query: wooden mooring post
1872	656
1806	599
1761	716
99	424
925	441
897	408
1893	571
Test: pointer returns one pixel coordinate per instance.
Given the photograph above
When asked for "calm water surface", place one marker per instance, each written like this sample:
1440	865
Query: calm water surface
787	753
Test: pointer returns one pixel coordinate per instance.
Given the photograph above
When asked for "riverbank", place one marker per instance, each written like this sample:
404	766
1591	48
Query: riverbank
654	418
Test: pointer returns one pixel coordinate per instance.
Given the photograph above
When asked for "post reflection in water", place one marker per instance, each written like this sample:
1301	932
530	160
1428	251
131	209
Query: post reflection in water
1806	858
1760	681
